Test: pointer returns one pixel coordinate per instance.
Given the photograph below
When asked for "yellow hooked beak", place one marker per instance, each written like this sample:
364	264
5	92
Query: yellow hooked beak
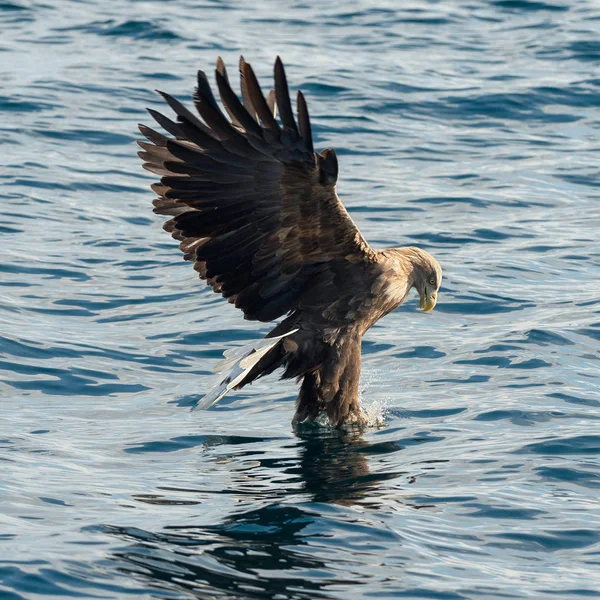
427	300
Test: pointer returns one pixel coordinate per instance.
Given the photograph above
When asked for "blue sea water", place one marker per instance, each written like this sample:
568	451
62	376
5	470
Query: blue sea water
470	128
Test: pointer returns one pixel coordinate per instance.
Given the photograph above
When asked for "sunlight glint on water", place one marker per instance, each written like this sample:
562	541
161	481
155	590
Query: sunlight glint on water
469	129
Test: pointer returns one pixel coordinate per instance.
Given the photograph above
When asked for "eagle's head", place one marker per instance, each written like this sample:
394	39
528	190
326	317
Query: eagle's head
427	277
415	268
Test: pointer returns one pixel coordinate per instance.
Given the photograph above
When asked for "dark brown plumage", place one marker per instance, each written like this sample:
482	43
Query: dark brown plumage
255	208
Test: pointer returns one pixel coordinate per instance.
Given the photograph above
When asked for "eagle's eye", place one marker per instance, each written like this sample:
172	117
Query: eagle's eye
432	280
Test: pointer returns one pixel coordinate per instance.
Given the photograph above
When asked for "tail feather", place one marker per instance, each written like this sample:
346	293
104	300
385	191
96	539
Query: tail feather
238	362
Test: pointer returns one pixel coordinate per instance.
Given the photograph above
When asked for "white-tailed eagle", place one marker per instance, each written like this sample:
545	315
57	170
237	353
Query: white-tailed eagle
256	210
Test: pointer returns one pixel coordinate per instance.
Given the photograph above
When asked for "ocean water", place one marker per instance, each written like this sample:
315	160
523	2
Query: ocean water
469	128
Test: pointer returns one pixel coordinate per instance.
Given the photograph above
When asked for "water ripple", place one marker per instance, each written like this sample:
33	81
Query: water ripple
466	128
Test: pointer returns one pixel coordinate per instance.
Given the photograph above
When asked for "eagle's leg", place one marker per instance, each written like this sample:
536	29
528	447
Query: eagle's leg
340	377
331	386
344	407
309	404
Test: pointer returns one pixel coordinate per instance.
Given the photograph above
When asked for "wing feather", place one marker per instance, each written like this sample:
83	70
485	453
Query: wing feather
251	203
258	100
304	122
271	102
222	71
182	113
235	108
244	90
282	96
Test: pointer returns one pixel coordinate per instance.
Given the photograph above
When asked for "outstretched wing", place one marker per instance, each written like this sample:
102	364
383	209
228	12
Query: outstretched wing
251	203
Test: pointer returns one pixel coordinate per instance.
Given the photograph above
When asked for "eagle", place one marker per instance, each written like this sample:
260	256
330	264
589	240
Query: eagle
255	208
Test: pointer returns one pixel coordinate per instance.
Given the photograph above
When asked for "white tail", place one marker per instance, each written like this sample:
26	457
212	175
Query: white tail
238	362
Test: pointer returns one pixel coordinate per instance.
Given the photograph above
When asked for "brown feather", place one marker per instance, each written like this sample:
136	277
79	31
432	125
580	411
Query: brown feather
258	100
304	122
222	71
246	101
282	95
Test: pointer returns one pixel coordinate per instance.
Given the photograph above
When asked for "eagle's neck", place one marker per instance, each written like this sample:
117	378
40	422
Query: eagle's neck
402	268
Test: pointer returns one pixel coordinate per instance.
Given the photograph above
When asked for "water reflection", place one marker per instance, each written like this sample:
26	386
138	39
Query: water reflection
329	465
274	547
260	553
334	468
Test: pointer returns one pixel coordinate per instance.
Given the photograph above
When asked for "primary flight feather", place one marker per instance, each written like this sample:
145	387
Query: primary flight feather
256	209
